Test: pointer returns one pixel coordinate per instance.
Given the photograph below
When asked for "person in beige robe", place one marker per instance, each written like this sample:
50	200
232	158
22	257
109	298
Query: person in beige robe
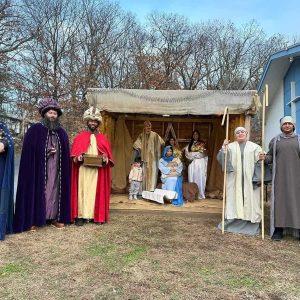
148	146
243	212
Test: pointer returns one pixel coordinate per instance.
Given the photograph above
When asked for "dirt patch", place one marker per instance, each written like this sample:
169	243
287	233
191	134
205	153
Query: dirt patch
148	255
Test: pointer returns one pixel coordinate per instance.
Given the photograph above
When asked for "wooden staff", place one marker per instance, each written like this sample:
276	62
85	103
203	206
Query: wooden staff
225	116
265	103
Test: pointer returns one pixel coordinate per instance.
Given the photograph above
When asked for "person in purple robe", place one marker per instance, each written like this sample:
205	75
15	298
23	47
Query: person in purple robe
43	192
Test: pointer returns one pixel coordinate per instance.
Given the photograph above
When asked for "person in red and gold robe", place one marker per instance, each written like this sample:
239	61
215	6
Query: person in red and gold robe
90	187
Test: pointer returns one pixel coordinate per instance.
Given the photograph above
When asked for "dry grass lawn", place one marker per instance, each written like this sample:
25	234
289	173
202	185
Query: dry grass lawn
148	255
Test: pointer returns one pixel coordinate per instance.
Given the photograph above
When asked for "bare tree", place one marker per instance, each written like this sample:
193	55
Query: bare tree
198	62
171	41
240	54
45	55
136	67
61	48
12	27
104	48
13	36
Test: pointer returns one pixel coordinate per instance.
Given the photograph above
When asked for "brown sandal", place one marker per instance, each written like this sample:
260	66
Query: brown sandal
58	225
33	228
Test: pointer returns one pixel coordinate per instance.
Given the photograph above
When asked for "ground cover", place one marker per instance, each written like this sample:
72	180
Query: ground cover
148	255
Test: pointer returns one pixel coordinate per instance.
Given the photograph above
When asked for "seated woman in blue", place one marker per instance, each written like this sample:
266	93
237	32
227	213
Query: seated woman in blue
171	177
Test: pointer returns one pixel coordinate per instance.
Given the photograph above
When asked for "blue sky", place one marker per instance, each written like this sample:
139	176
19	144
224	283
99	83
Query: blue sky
274	16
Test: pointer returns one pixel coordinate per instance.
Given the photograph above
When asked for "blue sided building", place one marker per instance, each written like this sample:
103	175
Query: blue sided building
282	74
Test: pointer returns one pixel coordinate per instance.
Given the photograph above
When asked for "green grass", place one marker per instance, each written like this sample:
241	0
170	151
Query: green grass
117	256
135	254
245	281
101	250
208	275
156	264
233	281
205	272
12	268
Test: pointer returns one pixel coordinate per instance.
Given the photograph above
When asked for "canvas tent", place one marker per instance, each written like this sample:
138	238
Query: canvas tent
172	113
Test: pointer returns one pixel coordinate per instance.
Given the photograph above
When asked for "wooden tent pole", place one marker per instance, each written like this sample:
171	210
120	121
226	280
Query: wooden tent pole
265	103
225	116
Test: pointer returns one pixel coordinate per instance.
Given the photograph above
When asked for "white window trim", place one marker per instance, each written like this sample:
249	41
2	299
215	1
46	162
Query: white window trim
294	98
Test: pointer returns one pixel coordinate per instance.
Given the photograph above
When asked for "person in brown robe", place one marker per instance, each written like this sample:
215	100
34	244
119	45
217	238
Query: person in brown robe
284	155
148	146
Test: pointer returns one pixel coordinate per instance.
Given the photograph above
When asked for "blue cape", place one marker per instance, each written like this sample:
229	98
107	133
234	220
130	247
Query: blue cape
6	183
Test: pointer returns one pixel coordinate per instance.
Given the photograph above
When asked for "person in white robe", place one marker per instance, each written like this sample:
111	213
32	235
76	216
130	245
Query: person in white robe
195	152
243	209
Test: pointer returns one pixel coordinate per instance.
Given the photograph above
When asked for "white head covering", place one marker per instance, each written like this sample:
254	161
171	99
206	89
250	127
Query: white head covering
240	128
92	114
287	119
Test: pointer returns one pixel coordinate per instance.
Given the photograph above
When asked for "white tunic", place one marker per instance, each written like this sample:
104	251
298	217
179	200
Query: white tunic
197	170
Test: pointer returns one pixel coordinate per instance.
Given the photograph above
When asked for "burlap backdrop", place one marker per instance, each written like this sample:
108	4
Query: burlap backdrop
122	154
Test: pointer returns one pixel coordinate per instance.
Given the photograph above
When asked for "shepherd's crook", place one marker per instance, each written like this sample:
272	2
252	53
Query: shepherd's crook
265	103
225	116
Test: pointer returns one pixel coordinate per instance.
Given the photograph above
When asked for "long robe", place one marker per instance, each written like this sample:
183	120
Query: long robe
6	183
52	184
87	184
243	198
197	170
30	199
172	181
284	154
149	146
80	146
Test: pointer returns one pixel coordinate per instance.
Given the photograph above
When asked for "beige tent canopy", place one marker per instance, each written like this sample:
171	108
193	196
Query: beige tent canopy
172	102
172	113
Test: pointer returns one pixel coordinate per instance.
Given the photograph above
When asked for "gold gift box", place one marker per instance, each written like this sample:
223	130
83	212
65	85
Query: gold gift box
90	160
